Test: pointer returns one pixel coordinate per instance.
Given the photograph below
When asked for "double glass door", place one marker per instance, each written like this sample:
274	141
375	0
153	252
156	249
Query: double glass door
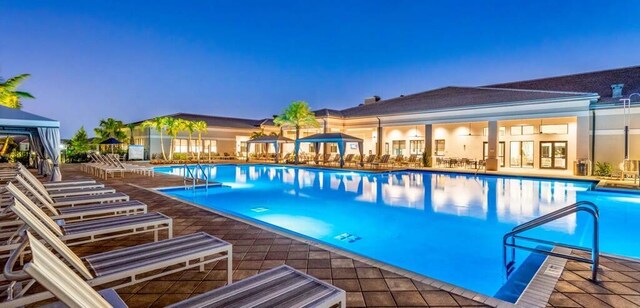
553	155
485	152
521	154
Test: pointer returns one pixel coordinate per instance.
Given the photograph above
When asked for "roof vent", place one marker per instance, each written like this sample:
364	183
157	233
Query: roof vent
372	99
616	90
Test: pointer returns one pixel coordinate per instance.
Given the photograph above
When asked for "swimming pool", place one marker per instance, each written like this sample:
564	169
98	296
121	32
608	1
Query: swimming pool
445	226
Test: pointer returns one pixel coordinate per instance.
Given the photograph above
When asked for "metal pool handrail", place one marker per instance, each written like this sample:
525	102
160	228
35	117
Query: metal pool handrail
509	239
204	174
188	174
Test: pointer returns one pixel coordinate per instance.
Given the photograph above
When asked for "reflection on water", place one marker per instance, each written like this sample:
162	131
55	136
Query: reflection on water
444	225
508	200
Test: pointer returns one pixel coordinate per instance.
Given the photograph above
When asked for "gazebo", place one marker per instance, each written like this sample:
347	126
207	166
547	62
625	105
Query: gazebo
339	138
43	134
275	140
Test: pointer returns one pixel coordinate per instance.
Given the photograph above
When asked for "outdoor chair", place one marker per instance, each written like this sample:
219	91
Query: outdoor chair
86	211
122	267
282	286
73	200
80	232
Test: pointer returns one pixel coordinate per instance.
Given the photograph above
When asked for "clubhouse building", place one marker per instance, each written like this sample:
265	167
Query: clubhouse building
544	124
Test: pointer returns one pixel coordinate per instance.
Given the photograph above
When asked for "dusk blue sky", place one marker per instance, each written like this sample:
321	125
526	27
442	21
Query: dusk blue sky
136	59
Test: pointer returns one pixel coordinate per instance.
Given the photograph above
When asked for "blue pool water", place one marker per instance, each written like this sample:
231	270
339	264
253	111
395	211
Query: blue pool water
442	225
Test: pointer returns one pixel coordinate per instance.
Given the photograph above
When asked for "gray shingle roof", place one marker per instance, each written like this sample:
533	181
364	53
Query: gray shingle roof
453	98
595	82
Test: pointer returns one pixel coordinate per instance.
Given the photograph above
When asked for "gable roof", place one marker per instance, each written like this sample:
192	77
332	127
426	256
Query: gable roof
454	98
595	82
328	113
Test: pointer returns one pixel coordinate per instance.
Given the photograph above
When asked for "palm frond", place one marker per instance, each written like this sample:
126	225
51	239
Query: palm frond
13	82
22	94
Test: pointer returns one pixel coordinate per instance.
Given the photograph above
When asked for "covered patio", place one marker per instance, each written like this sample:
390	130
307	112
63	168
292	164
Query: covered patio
277	142
339	138
43	134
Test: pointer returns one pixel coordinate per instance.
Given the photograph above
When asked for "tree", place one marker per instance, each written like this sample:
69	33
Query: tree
110	128
190	128
9	95
131	127
79	143
297	115
172	127
157	123
200	127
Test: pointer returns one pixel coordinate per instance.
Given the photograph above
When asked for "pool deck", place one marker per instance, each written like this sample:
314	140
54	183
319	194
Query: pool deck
367	285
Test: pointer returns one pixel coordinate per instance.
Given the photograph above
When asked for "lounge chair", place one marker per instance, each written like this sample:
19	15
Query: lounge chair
80	232
122	267
282	286
74	200
81	212
412	161
384	160
370	160
349	159
68	183
399	161
73	187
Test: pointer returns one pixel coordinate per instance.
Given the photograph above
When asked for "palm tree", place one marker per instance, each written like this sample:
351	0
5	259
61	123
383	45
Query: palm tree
297	115
172	126
200	127
110	128
190	128
9	96
131	127
158	123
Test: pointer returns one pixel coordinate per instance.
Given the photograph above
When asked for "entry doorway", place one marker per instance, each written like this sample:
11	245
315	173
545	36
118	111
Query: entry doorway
553	155
521	154
501	148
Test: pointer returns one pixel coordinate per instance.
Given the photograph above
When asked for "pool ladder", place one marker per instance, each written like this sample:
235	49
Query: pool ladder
189	175
509	239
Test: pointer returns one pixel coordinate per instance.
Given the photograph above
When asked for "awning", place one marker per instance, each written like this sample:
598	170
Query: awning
275	140
339	138
43	133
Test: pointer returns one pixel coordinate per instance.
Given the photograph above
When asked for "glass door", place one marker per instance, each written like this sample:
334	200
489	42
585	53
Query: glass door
553	155
501	147
521	154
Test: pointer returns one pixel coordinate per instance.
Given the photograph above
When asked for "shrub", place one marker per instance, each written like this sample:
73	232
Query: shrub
603	169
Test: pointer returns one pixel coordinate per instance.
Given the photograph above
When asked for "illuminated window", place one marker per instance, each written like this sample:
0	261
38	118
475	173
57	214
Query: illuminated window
440	147
180	145
398	146
522	130
560	129
501	131
416	146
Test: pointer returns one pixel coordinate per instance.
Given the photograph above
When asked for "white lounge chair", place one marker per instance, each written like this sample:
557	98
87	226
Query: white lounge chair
72	200
123	267
81	232
282	286
85	211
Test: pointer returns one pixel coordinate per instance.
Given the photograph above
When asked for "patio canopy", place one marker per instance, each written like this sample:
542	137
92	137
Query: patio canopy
43	133
275	140
339	138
